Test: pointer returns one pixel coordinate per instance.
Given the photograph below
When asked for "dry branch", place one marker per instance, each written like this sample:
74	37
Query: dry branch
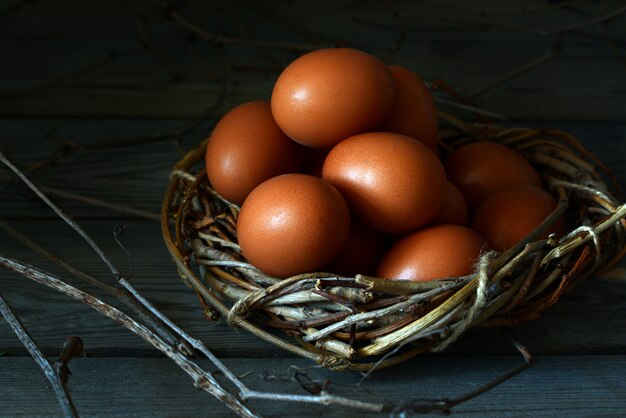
57	382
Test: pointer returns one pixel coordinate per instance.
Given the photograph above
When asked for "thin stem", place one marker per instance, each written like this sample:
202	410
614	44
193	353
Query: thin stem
100	203
198	345
515	73
68	220
122	295
473	109
60	390
323	398
72	348
36	248
59	80
218	39
600	19
203	380
528	362
533	8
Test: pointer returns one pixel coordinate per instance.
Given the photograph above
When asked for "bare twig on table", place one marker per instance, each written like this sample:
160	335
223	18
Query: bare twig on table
60	390
61	79
611	43
68	220
218	39
473	109
72	348
287	22
100	203
224	76
554	52
529	361
533	7
145	40
244	32
56	260
144	315
67	148
531	31
203	380
117	231
505	10
604	19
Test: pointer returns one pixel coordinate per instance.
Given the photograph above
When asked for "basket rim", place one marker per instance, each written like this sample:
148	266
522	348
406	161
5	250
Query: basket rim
181	173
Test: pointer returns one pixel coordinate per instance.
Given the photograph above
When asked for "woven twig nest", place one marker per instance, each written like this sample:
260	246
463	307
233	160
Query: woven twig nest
358	322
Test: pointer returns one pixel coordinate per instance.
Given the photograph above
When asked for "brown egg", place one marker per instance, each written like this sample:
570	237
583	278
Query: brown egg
454	209
291	224
392	182
507	217
414	112
436	252
330	94
360	253
246	148
482	169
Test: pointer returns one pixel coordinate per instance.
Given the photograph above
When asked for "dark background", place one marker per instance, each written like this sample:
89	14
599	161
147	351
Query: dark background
101	98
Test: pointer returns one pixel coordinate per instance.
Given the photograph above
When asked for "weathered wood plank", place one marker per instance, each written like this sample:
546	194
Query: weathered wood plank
586	81
137	176
586	321
136	387
597	103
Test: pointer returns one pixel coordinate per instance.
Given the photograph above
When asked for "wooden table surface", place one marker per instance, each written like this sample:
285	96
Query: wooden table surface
114	81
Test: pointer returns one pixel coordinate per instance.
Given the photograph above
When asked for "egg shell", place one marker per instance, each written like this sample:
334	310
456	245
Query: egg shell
330	94
507	217
392	182
414	112
481	169
360	253
292	224
454	210
246	148
432	253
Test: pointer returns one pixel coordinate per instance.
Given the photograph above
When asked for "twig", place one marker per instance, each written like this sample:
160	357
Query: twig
36	248
516	72
72	348
203	380
60	390
611	43
473	109
533	7
471	22
100	203
600	19
60	79
68	220
122	295
67	148
225	40
528	362
287	21
531	31
145	40
198	345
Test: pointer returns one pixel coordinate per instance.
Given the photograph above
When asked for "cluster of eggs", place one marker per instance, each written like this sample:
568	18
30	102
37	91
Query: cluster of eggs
340	172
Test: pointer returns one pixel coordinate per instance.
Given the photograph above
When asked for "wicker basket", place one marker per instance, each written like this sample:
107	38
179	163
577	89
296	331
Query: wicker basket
358	322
